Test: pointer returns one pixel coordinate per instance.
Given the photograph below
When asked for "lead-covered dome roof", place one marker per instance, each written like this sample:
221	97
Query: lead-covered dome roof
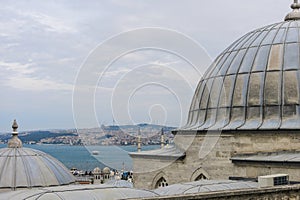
26	168
253	84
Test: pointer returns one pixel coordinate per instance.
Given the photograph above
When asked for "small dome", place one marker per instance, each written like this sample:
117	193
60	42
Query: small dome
26	168
106	170
97	170
75	192
253	84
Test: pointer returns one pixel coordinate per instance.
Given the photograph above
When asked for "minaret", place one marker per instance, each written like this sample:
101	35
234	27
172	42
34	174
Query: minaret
139	147
14	142
162	138
295	14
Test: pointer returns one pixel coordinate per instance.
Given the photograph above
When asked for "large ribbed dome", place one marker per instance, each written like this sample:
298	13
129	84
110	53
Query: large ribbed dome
253	84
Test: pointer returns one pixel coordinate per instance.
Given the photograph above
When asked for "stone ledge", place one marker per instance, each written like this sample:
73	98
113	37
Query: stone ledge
259	193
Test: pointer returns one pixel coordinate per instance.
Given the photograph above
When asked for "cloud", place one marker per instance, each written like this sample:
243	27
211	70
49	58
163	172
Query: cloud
129	4
17	21
11	45
22	76
36	84
50	23
115	73
9	28
17	68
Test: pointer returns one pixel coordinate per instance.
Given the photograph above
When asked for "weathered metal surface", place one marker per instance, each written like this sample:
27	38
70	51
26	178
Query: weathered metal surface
205	186
26	168
87	192
253	84
271	157
168	152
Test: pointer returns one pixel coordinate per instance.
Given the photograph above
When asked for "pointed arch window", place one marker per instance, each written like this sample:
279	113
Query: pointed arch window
161	183
201	177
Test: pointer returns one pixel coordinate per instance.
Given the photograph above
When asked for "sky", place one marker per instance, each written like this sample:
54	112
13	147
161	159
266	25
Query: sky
76	64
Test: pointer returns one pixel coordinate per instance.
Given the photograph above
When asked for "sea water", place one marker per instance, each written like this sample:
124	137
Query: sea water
80	157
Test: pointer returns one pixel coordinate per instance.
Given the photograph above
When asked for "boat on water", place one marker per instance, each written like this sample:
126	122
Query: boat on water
95	152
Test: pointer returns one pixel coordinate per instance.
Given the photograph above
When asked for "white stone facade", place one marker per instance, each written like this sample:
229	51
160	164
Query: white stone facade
217	164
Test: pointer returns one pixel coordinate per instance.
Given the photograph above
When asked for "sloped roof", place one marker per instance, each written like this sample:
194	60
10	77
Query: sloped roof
74	192
204	186
279	157
168	152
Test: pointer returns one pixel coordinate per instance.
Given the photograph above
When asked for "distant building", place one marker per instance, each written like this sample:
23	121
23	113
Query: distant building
244	120
97	175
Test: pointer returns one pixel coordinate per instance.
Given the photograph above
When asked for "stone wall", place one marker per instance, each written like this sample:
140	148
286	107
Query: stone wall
283	192
209	154
254	170
148	171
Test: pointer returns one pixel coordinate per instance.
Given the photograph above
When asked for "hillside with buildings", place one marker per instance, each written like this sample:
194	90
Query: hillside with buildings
106	135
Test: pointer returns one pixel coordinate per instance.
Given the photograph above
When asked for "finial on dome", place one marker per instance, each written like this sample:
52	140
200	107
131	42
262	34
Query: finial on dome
15	126
295	14
14	142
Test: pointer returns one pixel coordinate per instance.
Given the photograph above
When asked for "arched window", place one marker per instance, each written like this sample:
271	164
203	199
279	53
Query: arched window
201	177
200	174
161	183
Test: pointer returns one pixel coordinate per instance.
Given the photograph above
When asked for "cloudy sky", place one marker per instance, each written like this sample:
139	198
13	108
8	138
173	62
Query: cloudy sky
46	44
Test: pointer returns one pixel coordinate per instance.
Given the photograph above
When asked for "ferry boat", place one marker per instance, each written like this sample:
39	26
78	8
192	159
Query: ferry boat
95	152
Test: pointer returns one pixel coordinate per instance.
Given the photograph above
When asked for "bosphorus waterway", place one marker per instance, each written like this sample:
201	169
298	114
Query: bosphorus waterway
81	157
